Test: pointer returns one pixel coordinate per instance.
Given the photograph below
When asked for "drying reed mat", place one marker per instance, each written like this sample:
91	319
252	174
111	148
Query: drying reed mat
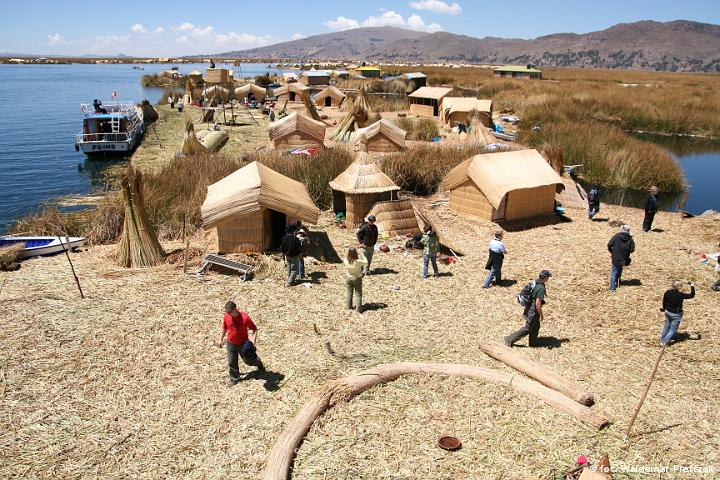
130	382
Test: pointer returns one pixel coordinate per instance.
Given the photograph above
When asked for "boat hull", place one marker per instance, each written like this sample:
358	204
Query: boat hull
103	148
42	246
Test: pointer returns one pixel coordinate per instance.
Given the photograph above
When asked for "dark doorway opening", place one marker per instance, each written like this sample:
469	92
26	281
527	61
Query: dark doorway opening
328	101
278	226
292	96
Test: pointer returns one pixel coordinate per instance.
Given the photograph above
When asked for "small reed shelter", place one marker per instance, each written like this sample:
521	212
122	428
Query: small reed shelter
425	101
359	187
292	92
330	97
395	217
503	186
382	136
315	77
462	109
252	207
516	71
218	75
256	90
297	131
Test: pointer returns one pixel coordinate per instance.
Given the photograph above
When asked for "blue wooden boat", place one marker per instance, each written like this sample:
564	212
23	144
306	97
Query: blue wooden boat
41	246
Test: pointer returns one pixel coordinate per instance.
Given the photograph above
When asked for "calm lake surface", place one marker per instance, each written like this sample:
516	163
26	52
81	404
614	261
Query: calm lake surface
41	115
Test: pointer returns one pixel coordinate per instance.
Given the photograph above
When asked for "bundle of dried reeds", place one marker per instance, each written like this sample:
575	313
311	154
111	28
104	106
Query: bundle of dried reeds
139	246
310	107
191	145
9	256
357	116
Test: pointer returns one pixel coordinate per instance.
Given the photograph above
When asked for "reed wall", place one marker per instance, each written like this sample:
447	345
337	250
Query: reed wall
381	144
466	198
530	202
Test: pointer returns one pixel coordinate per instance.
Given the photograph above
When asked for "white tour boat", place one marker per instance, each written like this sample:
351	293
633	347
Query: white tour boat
112	128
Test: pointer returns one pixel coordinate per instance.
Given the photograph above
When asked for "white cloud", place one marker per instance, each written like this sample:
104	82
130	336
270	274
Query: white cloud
55	39
389	18
202	31
437	6
244	40
139	28
159	30
182	39
297	36
342	23
184	27
415	22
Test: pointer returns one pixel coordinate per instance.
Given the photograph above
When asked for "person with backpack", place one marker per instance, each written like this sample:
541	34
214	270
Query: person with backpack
532	297
651	208
291	250
594	200
367	235
495	260
354	264
672	307
431	246
239	343
620	246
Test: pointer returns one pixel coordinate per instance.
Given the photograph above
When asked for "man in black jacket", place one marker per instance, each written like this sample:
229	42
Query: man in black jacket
621	245
651	208
367	235
291	250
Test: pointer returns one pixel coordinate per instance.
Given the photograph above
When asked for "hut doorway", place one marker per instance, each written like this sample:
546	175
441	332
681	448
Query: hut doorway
277	227
292	96
338	201
328	101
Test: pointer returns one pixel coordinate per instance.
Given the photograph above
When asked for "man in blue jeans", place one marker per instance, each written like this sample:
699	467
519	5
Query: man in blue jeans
620	246
497	253
239	344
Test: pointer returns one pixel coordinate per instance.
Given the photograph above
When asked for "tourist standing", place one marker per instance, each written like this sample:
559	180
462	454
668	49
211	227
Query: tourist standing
495	260
672	306
354	263
620	246
239	344
367	235
431	246
532	313
651	208
304	244
594	200
291	250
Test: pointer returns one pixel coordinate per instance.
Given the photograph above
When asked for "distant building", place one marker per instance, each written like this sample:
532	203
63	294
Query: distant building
426	101
368	72
415	80
516	71
315	77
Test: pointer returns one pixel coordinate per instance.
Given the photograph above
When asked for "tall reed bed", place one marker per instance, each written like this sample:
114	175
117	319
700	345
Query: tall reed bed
419	129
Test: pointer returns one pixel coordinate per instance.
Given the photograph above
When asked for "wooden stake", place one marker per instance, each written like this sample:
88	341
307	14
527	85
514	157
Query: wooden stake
647	389
72	268
185	260
157	136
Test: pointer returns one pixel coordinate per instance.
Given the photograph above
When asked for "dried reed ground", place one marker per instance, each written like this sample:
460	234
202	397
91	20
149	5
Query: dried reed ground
130	383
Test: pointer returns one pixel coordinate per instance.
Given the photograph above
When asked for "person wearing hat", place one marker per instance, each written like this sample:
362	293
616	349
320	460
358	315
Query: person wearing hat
651	208
620	246
304	244
236	325
367	235
533	313
431	246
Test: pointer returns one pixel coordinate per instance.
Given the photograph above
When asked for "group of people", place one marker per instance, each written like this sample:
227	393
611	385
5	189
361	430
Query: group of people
650	206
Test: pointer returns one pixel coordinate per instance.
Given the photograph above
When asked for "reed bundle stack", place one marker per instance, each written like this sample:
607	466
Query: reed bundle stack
191	145
149	113
358	114
139	246
10	255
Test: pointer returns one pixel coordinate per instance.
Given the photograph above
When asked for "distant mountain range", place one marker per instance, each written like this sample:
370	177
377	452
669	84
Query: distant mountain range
680	45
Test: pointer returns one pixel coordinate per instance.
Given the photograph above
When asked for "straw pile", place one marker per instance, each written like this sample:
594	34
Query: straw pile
191	145
150	115
139	246
9	256
83	396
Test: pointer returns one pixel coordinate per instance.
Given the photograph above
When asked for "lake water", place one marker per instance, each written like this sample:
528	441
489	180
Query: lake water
40	116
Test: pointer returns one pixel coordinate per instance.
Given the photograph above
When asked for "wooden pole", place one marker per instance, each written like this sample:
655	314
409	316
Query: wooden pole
647	389
72	268
157	136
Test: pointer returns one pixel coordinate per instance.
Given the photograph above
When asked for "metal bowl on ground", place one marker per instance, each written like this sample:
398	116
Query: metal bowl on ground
448	442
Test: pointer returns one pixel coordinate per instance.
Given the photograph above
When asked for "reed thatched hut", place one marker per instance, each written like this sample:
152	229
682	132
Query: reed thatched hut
297	131
396	217
244	92
462	109
217	92
503	186
382	136
425	101
359	187
252	207
329	97
292	92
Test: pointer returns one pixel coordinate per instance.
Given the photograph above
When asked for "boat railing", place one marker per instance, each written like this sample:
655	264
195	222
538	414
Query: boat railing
101	137
110	107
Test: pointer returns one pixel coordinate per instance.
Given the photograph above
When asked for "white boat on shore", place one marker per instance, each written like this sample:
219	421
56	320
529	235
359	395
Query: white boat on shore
112	128
41	246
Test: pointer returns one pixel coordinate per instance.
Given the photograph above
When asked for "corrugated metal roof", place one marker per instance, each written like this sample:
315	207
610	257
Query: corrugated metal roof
435	93
315	74
517	68
368	69
413	75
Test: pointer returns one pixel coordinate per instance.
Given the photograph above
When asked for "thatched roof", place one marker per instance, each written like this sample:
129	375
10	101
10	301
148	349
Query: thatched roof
363	176
394	133
290	87
330	91
395	216
574	195
294	122
465	104
436	93
252	188
246	90
216	91
496	174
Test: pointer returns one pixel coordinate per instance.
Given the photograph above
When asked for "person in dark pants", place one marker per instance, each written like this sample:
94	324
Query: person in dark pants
672	306
291	250
367	235
594	200
495	260
651	208
620	246
533	313
239	344
431	246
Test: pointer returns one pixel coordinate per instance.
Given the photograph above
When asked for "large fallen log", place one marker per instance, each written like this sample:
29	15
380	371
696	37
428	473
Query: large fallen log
281	456
540	373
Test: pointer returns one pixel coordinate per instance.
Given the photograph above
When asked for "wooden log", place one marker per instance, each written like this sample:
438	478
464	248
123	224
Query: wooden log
540	373
281	456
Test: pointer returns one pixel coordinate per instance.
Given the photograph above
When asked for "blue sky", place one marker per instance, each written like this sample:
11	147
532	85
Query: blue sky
154	28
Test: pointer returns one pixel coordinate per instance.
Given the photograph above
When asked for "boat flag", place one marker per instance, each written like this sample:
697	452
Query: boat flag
114	94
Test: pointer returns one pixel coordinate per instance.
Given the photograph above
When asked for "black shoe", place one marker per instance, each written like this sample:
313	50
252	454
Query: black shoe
507	342
261	366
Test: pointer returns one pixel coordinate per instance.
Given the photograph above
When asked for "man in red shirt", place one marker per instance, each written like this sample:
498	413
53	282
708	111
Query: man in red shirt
236	325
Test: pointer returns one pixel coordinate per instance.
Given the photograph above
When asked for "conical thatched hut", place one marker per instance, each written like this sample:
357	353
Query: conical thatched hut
382	136
292	92
359	187
503	186
244	92
252	207
329	97
297	131
396	217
